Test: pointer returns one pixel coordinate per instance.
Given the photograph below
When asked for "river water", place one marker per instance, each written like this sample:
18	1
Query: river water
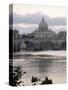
41	64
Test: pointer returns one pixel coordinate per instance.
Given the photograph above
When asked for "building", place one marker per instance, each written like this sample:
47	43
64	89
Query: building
41	39
43	32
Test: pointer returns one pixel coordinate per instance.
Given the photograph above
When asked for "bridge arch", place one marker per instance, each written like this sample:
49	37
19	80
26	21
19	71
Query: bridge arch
29	45
63	45
47	45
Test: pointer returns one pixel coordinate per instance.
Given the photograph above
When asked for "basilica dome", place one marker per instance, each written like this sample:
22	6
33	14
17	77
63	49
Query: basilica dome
43	26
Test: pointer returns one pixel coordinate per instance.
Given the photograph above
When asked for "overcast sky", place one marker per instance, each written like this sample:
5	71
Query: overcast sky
27	17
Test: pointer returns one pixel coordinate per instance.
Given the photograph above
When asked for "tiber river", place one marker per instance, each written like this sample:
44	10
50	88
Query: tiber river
41	64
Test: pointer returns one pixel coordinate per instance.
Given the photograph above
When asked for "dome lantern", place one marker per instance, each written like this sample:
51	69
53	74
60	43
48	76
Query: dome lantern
43	25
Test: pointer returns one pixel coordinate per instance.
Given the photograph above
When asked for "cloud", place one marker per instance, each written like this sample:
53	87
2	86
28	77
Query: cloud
28	23
58	28
57	21
35	19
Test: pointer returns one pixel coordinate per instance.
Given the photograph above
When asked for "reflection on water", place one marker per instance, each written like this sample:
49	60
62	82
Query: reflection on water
42	65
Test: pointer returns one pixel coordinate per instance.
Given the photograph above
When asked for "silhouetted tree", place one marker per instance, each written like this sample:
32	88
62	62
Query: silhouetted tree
46	81
34	79
15	75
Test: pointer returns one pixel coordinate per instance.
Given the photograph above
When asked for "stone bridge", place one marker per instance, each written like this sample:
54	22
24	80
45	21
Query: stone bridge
42	44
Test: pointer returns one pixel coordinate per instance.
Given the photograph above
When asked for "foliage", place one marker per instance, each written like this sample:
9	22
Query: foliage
14	76
34	79
46	81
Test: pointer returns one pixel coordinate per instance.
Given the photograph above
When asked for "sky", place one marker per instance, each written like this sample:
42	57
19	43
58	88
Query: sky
26	18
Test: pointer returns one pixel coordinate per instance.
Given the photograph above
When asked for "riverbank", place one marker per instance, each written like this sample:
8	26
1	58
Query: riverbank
41	54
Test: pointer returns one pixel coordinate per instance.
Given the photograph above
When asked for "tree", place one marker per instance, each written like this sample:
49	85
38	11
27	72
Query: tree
14	76
46	81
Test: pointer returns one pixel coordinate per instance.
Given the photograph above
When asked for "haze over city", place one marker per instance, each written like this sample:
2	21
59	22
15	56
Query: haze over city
26	18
